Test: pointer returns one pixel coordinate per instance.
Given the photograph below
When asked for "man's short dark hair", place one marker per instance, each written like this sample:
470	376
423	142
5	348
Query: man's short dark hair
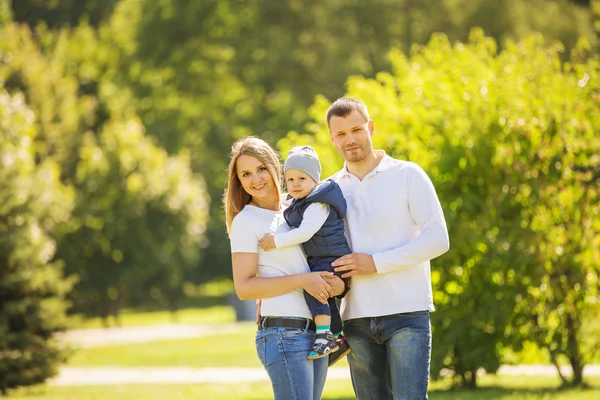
344	106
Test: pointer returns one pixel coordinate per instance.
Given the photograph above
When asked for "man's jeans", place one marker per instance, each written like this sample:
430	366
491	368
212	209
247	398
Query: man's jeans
283	352
390	356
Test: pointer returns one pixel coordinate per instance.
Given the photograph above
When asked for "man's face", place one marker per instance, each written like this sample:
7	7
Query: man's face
351	136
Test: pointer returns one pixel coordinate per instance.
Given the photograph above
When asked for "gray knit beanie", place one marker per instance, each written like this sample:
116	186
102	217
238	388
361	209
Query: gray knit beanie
305	159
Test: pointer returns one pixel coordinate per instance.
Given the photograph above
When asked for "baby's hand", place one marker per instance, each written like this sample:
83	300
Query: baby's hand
267	242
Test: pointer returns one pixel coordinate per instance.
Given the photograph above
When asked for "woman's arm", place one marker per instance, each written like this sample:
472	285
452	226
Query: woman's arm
249	286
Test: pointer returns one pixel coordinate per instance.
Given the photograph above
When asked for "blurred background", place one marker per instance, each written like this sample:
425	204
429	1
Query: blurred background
117	117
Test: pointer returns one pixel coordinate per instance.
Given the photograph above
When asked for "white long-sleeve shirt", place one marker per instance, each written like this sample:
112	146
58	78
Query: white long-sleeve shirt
313	219
394	215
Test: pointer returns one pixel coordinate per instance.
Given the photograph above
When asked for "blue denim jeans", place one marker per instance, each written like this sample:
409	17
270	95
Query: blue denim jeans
283	352
390	356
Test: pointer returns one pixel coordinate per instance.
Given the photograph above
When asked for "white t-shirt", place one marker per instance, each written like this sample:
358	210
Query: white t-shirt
251	224
394	215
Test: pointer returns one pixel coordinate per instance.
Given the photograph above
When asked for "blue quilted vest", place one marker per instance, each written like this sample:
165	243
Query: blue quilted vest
329	241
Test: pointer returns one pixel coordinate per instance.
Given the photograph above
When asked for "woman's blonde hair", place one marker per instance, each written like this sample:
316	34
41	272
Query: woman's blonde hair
235	197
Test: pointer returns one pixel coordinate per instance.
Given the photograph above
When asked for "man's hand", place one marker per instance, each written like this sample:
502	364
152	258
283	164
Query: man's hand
355	264
337	284
267	242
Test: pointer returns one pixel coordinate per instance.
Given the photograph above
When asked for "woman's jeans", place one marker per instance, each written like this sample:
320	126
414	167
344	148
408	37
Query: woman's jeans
390	356
283	352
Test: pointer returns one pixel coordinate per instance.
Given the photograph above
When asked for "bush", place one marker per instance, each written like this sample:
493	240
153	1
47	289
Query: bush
32	289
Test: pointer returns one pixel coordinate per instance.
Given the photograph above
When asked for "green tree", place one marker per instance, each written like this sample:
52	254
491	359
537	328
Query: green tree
561	157
140	216
33	289
232	68
202	74
556	20
508	139
595	7
5	12
140	213
56	14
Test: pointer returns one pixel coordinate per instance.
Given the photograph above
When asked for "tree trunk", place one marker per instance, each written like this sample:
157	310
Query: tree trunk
408	26
554	361
574	353
103	308
116	310
173	306
471	380
468	377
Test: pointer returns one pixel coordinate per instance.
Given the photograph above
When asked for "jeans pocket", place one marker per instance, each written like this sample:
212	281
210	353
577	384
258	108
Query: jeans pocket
288	333
297	340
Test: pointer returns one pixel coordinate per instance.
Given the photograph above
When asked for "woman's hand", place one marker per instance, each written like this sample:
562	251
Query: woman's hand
337	285
316	285
258	304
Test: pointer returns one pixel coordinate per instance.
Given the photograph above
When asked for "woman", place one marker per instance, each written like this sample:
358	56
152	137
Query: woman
286	331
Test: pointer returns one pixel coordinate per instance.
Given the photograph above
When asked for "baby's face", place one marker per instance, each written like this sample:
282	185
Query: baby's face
299	184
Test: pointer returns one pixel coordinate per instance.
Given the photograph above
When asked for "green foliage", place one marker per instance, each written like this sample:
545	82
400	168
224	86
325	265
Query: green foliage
136	105
509	141
595	6
232	68
32	288
57	13
556	20
5	12
201	74
135	205
141	217
52	96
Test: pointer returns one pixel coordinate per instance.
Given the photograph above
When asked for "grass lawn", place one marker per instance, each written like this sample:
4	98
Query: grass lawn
493	388
213	314
237	349
219	350
208	315
223	350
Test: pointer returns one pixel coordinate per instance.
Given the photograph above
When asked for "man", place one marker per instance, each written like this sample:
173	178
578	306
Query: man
395	226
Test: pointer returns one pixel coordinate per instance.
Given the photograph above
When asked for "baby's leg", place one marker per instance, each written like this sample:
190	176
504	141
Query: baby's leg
322	319
325	341
336	319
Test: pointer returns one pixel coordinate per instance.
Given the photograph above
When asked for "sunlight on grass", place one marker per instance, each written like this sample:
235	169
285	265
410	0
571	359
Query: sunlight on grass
507	387
209	315
494	388
148	392
227	349
221	350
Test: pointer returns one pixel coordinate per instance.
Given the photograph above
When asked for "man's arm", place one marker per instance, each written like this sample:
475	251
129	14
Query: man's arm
313	219
432	242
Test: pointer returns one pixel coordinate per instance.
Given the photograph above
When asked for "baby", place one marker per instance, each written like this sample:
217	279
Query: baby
316	217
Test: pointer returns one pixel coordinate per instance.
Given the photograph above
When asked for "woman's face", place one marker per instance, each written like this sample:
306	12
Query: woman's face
255	177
